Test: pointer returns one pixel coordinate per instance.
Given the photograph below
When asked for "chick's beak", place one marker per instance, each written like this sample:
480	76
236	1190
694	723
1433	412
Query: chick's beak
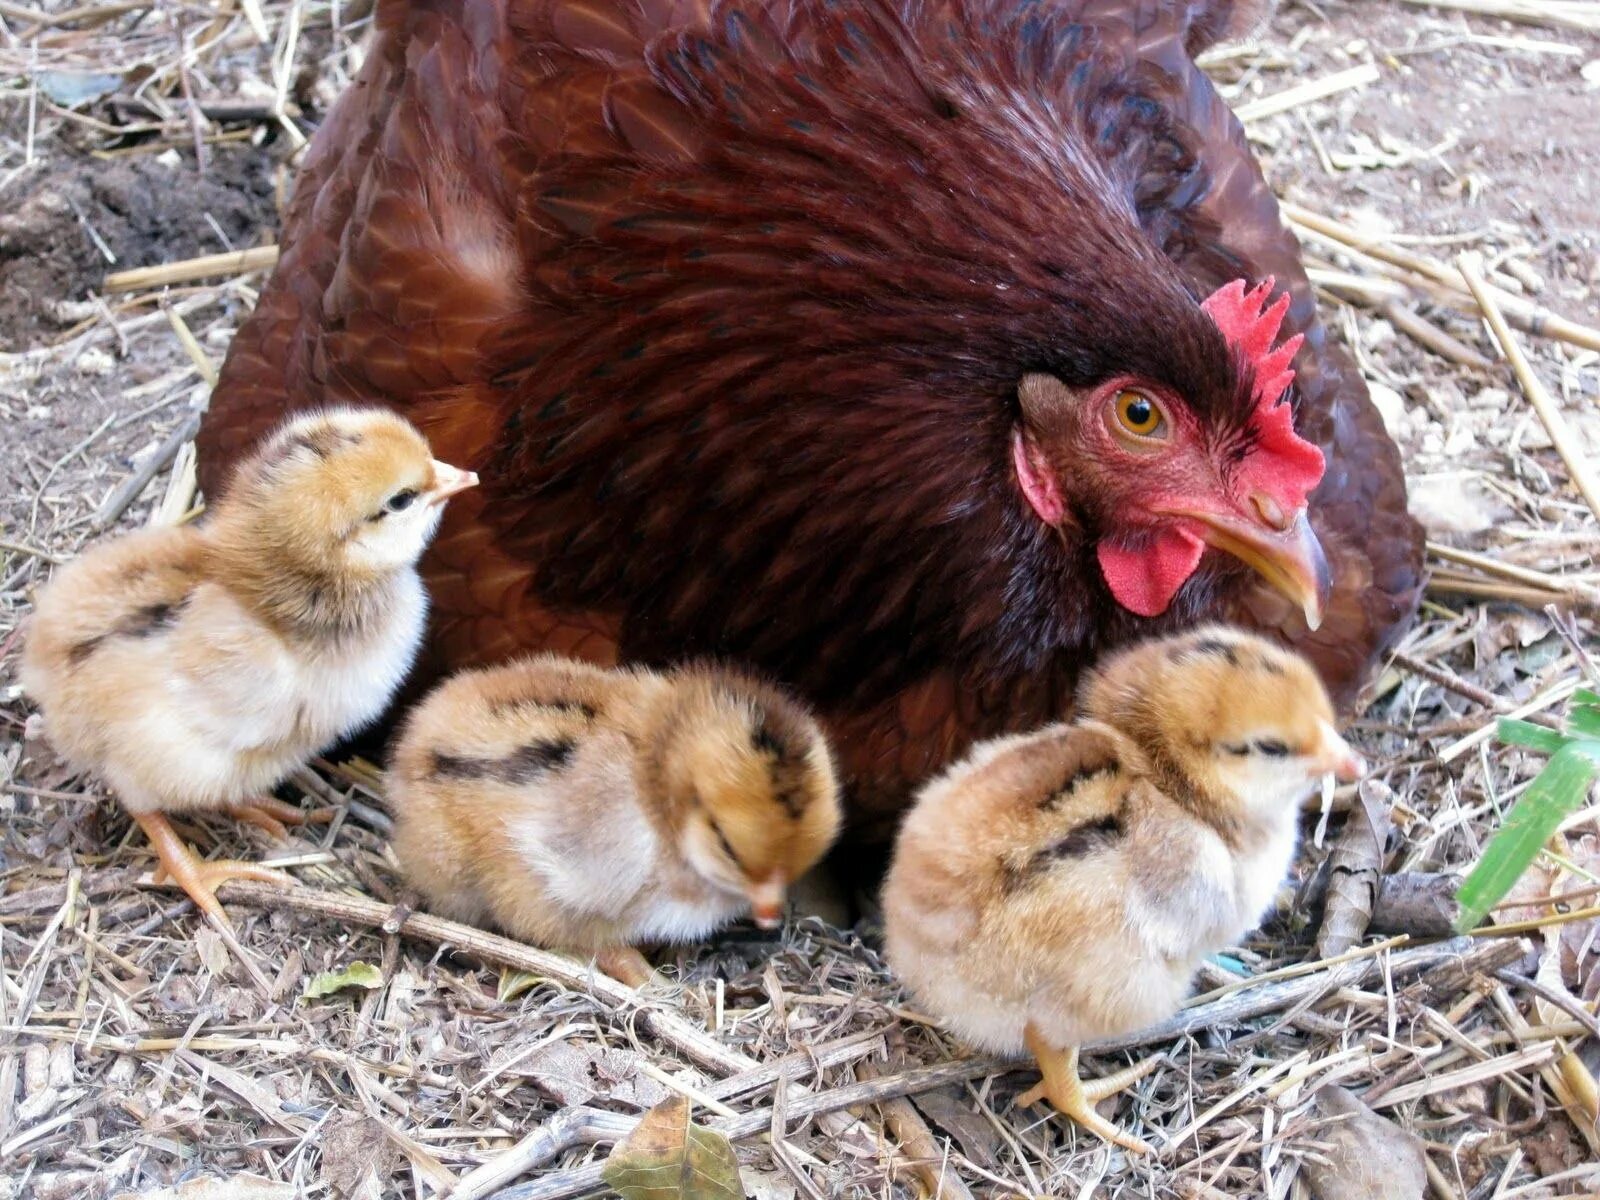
1285	553
1335	757
766	901
449	480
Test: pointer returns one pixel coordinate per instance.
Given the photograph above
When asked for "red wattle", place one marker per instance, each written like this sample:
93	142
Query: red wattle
1144	579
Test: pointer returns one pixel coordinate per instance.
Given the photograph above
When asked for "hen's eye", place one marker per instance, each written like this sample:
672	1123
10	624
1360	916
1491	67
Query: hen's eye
1138	414
400	501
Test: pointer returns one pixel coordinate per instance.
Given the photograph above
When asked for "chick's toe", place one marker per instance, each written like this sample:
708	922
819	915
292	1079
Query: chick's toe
1074	1098
196	876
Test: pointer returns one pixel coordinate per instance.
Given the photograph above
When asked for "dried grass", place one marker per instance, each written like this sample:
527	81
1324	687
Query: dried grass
134	1049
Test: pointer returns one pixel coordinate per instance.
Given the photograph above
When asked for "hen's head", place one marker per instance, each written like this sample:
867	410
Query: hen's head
1153	475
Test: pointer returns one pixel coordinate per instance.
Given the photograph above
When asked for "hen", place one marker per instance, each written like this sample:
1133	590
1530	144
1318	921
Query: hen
896	348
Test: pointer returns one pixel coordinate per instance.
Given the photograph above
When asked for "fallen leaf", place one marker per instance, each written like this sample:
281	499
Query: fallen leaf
575	1074
514	983
358	974
72	88
952	1110
669	1157
214	953
1353	868
769	1185
1363	1156
357	1156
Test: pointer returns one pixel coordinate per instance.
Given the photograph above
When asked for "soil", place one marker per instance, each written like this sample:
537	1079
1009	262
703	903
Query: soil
145	210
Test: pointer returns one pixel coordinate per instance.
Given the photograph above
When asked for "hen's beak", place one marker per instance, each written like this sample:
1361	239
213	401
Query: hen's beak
766	901
1289	558
1335	757
449	480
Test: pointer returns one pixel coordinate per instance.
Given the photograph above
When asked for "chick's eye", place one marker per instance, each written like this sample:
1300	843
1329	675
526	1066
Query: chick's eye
400	501
727	846
1138	414
1272	748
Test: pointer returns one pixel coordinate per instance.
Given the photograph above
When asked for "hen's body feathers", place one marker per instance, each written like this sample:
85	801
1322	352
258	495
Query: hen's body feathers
727	302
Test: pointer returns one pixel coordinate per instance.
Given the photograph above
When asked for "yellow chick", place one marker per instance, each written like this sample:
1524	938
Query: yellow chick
194	667
591	810
1063	886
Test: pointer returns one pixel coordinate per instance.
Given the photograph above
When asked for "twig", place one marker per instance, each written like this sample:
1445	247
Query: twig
228	263
1565	1003
1490	565
1426	333
1557	14
667	1027
929	1159
126	492
1306	93
1555	424
1463	952
1524	314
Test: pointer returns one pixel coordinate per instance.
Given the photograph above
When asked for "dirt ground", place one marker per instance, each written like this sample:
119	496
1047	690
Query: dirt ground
137	1055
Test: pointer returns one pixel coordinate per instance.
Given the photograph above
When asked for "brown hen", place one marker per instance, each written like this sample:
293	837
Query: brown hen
895	349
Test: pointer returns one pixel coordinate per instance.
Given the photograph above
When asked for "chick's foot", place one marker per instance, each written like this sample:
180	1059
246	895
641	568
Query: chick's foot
626	965
275	815
1075	1098
199	878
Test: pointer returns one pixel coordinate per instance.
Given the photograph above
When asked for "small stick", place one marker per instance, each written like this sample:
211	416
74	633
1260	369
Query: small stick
929	1160
1518	574
1543	403
1451	682
1524	314
129	490
228	263
1426	333
1306	93
668	1027
1553	13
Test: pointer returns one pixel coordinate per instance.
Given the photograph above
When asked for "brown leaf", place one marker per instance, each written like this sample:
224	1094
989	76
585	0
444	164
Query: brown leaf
1353	868
668	1157
1362	1156
952	1110
574	1074
357	1155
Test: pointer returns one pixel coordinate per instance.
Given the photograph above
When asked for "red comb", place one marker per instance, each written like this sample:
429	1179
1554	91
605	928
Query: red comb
1284	465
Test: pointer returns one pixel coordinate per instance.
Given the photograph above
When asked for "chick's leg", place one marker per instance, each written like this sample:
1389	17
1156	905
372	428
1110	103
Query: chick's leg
1076	1099
626	965
274	815
194	875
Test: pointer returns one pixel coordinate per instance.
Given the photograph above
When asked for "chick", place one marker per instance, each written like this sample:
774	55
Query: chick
192	668
1063	886
591	810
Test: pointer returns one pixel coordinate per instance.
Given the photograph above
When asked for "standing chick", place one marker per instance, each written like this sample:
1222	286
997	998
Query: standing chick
194	667
590	810
1062	886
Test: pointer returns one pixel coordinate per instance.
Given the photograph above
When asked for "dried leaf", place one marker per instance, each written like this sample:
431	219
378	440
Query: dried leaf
213	951
514	983
1353	869
576	1073
358	1156
72	88
1366	1157
952	1110
668	1157
358	975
